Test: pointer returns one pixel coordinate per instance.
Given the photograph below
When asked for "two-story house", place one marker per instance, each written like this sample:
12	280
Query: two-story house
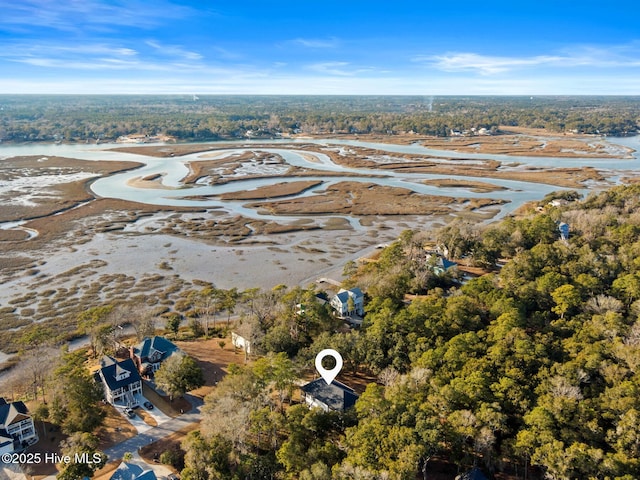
149	354
348	302
16	426
121	381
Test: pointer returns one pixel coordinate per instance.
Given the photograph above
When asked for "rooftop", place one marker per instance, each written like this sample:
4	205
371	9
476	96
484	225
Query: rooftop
335	395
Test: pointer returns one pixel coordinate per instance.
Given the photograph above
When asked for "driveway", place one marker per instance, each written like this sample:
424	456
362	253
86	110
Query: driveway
156	413
152	434
137	422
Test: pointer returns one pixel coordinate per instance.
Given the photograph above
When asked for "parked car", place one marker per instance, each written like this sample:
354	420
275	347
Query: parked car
173	476
129	412
148	405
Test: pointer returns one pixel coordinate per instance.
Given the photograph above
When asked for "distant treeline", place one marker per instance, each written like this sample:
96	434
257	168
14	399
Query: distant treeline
191	118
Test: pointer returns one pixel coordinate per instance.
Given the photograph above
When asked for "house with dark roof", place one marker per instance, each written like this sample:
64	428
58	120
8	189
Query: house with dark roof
121	381
16	426
131	471
333	396
348	302
473	474
439	264
149	354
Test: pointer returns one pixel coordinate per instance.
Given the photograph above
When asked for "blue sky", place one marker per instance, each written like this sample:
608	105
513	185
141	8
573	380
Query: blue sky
327	47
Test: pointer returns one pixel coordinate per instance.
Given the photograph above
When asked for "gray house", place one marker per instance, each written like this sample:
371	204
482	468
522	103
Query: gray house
334	396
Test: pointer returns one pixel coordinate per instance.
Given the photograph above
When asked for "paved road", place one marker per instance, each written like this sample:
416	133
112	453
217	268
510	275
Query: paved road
156	433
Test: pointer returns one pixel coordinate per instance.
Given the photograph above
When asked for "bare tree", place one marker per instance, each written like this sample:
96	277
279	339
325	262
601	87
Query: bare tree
229	418
602	304
207	303
143	320
36	360
388	376
37	365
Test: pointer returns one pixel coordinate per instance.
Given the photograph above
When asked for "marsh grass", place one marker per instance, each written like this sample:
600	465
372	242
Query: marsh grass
59	308
13	235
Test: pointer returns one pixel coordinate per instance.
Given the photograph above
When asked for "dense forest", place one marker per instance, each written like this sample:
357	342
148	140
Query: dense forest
529	370
25	118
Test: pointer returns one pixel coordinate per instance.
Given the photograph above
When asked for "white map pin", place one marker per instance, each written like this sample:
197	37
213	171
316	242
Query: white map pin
328	375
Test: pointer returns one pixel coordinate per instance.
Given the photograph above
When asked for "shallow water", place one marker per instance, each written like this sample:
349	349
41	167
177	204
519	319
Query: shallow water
175	169
264	260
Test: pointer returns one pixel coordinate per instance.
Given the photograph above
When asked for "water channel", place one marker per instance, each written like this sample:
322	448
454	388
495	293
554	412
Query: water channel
174	169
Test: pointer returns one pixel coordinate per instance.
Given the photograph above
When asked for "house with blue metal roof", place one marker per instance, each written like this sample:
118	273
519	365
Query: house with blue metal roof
131	471
149	354
438	264
121	381
348	302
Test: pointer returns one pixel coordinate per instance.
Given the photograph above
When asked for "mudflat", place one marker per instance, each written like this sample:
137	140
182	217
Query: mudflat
70	249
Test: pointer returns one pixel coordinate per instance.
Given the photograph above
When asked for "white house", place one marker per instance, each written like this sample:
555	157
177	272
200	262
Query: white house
16	426
6	443
121	381
348	302
240	342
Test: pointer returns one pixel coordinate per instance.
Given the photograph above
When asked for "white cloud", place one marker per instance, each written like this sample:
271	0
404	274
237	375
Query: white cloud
268	83
102	56
81	56
341	69
22	49
331	68
331	42
174	51
78	15
225	54
579	56
483	64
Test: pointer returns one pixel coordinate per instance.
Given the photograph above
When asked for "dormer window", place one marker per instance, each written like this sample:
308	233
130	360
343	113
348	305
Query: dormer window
156	356
121	373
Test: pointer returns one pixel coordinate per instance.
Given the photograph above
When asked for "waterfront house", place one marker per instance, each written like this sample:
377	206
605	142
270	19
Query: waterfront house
16	426
348	302
121	381
149	354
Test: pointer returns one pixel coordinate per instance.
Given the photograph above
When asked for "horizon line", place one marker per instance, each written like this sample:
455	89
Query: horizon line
328	94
